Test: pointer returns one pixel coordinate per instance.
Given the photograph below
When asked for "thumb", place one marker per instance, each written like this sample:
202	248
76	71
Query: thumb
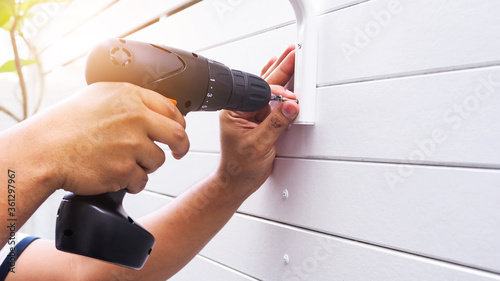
276	122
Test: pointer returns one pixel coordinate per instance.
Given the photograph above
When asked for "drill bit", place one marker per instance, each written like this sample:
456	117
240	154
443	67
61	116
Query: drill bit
282	98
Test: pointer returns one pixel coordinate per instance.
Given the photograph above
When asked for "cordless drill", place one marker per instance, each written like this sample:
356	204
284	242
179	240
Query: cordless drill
97	226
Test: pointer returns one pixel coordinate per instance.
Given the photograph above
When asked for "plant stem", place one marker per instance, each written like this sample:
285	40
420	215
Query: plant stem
10	113
12	32
40	73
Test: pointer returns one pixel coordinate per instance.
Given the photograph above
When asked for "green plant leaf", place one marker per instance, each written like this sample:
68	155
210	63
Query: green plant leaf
10	66
6	12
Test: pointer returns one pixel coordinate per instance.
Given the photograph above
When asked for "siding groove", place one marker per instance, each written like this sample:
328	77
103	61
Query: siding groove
418	73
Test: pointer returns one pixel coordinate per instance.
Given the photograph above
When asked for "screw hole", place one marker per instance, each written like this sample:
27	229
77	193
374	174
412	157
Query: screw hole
130	220
187	104
149	252
123	41
194	55
68	232
58	211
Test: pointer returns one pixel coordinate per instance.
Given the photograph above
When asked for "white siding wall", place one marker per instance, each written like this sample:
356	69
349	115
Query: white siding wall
397	180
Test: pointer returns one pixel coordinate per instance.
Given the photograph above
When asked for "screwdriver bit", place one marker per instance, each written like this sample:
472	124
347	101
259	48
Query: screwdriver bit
282	98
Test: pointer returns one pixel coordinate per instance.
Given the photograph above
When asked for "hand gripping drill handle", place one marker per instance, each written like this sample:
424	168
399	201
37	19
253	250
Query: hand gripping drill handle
97	226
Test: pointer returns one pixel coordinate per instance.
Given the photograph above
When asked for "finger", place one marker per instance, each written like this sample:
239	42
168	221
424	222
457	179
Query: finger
279	60
268	65
150	157
276	64
282	91
167	131
162	105
283	72
137	180
276	123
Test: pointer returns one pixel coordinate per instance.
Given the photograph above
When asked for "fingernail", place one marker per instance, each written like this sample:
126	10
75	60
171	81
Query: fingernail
288	110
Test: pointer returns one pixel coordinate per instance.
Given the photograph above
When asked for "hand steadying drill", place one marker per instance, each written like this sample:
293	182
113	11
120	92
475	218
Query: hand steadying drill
194	83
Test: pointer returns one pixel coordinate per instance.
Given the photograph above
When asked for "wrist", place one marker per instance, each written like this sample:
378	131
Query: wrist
231	180
21	153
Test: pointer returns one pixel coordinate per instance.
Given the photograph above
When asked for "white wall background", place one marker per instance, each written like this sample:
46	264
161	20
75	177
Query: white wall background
398	179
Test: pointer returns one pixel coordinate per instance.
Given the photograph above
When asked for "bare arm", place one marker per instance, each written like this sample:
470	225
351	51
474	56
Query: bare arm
183	227
81	145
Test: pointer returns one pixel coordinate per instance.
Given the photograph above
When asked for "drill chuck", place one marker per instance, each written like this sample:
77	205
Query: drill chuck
195	82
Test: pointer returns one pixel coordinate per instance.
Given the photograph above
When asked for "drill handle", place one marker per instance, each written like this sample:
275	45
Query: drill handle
97	226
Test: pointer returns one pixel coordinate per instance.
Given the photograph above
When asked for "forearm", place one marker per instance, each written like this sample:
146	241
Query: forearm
181	228
24	185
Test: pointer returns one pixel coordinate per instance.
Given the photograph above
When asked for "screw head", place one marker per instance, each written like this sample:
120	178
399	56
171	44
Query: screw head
285	194
286	259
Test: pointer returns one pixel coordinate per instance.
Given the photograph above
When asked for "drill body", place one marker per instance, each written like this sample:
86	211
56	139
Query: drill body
195	82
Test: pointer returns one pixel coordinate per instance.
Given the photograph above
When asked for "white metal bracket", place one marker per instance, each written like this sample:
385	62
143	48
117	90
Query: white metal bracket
306	60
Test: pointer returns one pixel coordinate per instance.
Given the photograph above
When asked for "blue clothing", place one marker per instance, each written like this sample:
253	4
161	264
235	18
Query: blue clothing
8	264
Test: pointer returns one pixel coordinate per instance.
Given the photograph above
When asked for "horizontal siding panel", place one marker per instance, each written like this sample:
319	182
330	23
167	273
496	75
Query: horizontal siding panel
222	21
438	119
66	80
199	268
63	82
441	119
66	19
118	20
395	116
447	213
378	39
175	176
143	203
326	6
257	248
219	21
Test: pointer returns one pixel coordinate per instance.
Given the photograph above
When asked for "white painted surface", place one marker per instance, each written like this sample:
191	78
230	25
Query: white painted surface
200	268
423	89
257	247
356	200
394	38
439	119
122	18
